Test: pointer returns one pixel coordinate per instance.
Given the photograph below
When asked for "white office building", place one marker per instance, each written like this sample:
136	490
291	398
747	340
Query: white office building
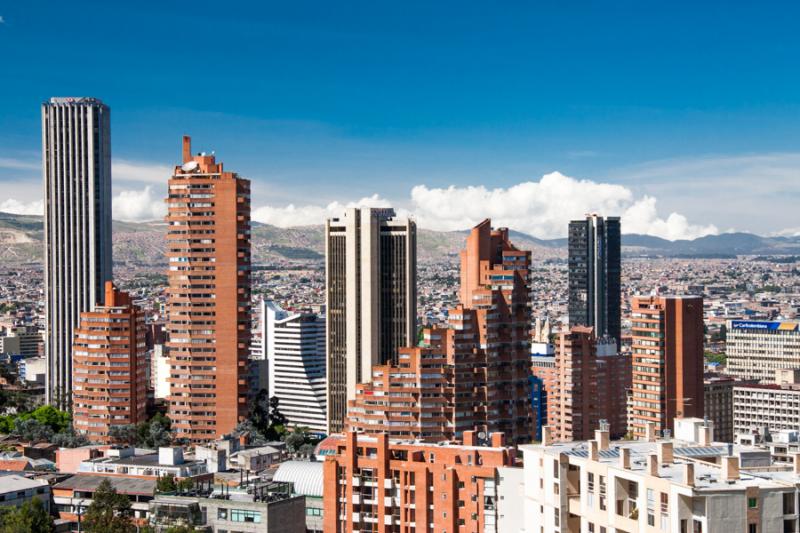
76	166
294	346
758	349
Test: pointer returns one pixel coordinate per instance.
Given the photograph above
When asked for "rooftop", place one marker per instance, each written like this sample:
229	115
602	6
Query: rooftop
124	485
305	475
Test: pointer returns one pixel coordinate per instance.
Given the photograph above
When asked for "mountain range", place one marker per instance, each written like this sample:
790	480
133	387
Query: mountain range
142	243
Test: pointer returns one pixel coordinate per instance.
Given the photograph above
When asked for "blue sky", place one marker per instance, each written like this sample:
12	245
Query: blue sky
664	107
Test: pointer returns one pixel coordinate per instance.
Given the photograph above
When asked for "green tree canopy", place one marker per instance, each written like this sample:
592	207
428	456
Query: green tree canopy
109	512
30	517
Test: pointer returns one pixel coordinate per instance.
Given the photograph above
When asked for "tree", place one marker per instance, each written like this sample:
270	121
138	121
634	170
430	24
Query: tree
109	512
30	429
30	517
155	432
255	437
69	438
166	483
124	434
49	416
294	441
260	413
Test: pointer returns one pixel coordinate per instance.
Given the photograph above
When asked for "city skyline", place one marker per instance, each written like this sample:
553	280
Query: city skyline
492	99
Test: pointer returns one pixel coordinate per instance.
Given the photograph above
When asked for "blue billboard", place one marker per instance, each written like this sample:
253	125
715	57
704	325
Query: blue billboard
752	324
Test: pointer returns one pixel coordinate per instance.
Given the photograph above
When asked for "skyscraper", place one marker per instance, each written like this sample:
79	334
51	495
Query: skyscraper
472	374
371	298
110	386
667	361
294	344
76	169
594	274
208	298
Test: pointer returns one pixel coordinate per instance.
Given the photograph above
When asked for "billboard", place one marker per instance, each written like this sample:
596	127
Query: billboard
763	326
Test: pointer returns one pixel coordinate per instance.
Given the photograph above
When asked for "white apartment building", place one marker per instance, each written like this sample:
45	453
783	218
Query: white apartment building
294	346
650	486
757	349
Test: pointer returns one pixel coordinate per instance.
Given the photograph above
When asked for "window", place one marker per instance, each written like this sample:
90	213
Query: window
242	515
788	503
752	503
752	528
222	513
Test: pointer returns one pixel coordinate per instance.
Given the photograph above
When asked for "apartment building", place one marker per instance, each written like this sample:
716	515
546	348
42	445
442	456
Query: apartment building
373	483
755	350
109	362
208	298
649	486
718	404
586	382
667	376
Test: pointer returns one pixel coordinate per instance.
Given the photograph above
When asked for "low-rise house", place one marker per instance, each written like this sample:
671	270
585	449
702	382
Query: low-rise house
16	490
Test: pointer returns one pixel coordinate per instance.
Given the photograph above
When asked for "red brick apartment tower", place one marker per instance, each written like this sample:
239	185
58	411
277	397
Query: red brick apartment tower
587	383
410	400
380	485
108	358
667	334
572	406
208	299
489	336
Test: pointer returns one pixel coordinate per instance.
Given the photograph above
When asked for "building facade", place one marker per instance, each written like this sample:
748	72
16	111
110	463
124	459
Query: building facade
208	298
295	353
594	274
109	379
755	350
765	409
665	486
376	484
475	372
718	404
371	299
76	169
585	384
410	400
667	343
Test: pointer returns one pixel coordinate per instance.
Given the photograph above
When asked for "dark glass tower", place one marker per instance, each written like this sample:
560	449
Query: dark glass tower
594	274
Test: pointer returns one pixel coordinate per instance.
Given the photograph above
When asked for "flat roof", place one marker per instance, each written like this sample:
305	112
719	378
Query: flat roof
124	485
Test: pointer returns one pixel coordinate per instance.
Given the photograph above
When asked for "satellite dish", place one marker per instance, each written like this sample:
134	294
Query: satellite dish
482	435
190	166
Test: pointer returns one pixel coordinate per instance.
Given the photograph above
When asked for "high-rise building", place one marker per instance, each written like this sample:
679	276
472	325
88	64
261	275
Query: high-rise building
585	383
412	399
371	299
594	274
109	378
757	349
667	342
475	372
76	167
295	354
208	298
374	483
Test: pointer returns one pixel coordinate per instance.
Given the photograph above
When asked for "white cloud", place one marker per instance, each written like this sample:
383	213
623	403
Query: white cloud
306	215
135	206
788	232
16	207
124	170
19	164
541	208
